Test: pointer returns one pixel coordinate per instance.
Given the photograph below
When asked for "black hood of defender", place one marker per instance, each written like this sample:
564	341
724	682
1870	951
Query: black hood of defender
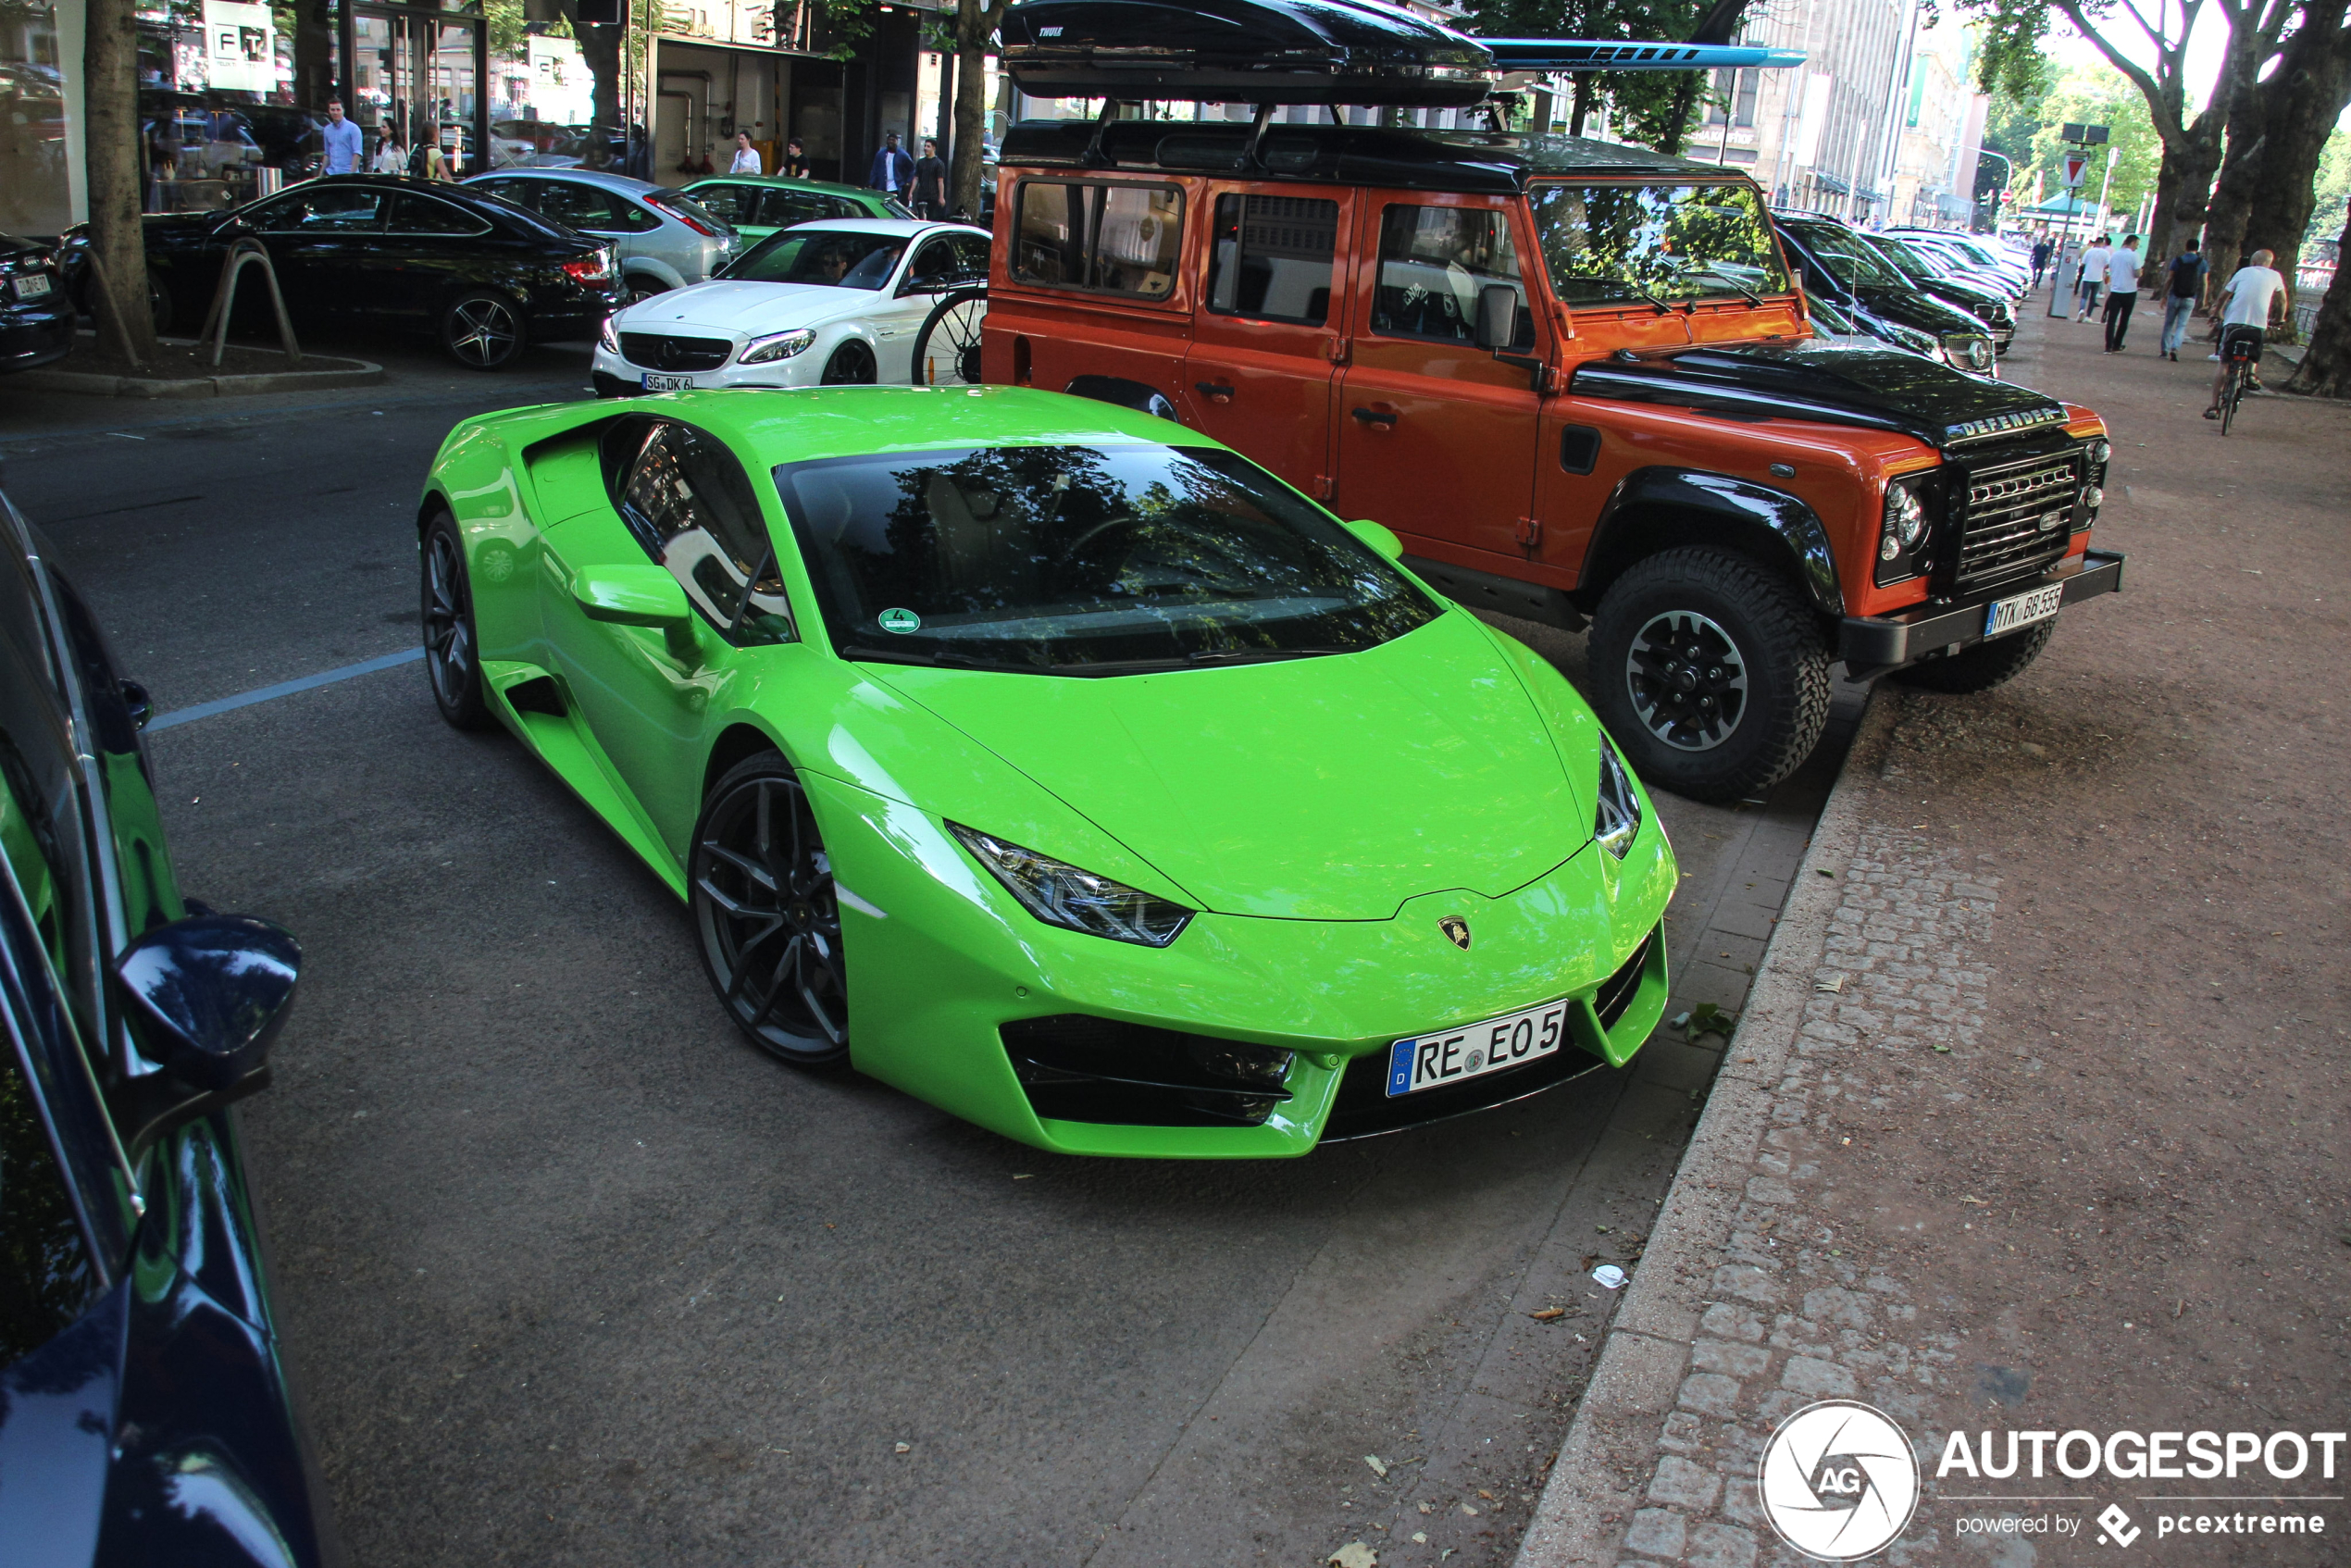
1876	389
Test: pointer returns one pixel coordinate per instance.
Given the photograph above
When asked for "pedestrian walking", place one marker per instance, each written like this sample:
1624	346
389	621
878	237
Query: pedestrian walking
931	181
893	171
433	164
795	164
747	159
2041	249
2245	304
2091	279
391	156
2180	296
345	143
2121	291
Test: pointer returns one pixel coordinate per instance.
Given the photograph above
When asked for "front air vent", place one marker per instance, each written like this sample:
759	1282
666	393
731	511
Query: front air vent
1078	1068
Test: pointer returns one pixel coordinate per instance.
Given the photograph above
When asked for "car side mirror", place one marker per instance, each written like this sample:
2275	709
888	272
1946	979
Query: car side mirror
212	992
631	595
1378	536
1497	315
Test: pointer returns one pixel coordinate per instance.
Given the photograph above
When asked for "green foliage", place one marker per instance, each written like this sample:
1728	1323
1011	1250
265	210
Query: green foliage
2010	35
1654	108
2096	95
2331	191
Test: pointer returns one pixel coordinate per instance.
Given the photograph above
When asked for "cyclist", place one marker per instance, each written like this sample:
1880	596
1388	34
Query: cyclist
2246	301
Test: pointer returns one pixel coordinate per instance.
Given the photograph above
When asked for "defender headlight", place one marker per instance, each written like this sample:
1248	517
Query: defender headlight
2099	452
1905	523
609	336
778	345
1061	894
1617	821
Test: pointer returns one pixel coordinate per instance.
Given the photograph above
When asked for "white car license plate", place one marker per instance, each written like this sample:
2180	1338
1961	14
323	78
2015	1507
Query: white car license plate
1432	1061
655	382
2006	614
31	286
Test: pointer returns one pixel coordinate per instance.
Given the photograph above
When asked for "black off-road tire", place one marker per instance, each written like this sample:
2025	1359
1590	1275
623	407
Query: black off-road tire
1776	649
453	646
1982	667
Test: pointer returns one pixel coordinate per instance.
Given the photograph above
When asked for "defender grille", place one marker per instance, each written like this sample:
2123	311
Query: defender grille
2017	517
663	351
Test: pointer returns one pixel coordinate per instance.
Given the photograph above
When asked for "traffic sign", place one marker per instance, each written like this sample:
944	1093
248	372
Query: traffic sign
2075	166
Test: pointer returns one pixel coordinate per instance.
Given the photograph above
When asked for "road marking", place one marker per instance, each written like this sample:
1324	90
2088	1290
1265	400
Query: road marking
283	689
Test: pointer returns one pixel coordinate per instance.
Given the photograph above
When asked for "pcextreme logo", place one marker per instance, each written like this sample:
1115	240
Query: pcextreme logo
1839	1481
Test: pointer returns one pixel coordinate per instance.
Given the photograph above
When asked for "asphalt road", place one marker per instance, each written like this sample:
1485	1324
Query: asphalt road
571	1274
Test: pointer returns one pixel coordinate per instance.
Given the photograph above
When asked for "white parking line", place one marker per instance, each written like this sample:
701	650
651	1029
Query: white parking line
283	689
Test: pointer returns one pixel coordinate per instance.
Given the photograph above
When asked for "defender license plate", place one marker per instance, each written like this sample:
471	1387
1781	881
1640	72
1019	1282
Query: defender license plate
655	382
2008	615
1512	1041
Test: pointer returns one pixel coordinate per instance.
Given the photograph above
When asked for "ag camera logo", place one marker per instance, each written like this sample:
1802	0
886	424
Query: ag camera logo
1840	1482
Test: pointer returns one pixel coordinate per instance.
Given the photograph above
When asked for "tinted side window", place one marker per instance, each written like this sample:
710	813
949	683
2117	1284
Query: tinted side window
971	256
729	204
1432	261
414	213
690	504
1123	239
1275	258
580	206
46	1278
335	209
781	209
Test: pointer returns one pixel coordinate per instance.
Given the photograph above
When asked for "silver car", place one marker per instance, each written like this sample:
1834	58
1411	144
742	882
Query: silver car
661	239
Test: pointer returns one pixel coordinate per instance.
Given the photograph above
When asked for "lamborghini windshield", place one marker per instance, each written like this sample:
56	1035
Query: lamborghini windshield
1079	560
1634	244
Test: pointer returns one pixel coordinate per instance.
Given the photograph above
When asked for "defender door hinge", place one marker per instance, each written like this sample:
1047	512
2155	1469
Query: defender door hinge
1530	532
1325	488
1337	350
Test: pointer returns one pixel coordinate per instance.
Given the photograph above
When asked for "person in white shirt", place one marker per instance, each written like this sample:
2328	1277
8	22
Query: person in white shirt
392	157
2244	307
2091	277
746	155
2121	291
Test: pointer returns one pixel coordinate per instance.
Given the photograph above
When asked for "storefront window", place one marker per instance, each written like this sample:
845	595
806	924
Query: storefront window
33	193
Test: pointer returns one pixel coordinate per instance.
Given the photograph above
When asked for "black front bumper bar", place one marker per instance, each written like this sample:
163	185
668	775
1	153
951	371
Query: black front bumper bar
1873	644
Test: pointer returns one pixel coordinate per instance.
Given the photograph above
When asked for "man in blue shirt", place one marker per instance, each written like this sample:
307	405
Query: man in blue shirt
345	145
893	171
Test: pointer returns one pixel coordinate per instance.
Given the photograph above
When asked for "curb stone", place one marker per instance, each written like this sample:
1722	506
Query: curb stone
353	373
1604	1467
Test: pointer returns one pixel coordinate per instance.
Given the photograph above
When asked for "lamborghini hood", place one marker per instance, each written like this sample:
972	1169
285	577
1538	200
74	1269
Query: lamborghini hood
1331	788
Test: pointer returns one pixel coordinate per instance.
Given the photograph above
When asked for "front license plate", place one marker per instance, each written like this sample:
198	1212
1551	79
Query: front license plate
2006	614
657	382
1432	1061
31	286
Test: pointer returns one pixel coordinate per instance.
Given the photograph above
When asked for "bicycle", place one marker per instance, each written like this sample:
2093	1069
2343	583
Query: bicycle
947	349
2236	352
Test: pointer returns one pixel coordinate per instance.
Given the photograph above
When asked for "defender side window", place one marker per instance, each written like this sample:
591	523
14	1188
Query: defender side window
1274	260
1432	261
691	505
1119	239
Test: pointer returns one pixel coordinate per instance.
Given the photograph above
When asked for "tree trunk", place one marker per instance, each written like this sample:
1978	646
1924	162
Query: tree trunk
2182	192
110	123
2301	102
1581	104
600	47
2326	362
975	26
2232	192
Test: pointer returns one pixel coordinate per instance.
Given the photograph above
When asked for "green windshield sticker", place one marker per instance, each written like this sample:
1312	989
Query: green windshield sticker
900	621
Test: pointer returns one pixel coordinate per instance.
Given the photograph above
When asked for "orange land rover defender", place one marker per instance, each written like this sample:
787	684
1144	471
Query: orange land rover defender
1577	379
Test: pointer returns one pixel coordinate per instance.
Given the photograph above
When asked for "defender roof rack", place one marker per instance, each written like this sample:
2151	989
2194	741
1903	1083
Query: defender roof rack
1301	52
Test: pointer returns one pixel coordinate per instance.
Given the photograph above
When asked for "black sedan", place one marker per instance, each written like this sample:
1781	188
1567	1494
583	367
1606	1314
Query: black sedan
37	324
1840	265
145	1415
485	276
1986	302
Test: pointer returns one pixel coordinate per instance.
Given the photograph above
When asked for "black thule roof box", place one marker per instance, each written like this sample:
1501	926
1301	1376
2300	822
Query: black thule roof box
1242	51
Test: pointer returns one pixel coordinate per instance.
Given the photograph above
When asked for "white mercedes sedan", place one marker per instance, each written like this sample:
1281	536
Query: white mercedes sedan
839	302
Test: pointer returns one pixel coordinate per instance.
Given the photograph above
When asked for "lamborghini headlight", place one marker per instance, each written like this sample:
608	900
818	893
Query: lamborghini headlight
1061	894
778	345
1617	821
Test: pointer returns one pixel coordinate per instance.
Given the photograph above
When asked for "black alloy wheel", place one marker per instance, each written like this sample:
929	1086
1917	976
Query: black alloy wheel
764	900
947	349
1712	672
482	331
641	289
851	365
453	651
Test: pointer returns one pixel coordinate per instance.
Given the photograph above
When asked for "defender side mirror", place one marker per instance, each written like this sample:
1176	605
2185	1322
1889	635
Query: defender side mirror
1497	315
212	991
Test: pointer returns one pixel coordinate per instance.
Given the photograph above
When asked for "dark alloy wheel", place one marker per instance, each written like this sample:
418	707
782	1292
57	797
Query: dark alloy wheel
1982	667
947	349
771	921
851	365
641	289
1711	673
452	658
482	331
